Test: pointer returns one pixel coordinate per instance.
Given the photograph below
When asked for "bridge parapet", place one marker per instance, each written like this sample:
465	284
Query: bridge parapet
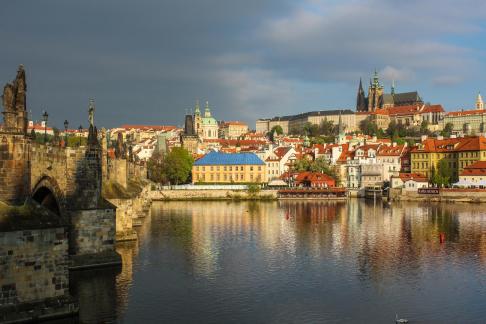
75	172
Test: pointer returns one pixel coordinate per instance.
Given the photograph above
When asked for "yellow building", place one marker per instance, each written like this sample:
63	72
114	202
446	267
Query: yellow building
217	167
457	152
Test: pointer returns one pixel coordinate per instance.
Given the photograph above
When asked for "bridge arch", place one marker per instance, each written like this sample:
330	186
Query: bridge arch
48	194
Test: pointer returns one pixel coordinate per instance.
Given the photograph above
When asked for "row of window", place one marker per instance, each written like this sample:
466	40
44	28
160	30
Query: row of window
225	168
225	177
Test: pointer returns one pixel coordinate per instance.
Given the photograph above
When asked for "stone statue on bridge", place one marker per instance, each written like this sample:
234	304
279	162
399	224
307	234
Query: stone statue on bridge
14	104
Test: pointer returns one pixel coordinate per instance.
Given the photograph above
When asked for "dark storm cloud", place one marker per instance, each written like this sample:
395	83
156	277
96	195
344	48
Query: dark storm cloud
148	61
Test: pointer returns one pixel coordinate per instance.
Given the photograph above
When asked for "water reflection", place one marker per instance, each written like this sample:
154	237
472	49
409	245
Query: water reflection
296	261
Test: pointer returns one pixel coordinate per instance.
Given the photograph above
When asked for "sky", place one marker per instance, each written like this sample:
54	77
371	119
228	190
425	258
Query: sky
148	61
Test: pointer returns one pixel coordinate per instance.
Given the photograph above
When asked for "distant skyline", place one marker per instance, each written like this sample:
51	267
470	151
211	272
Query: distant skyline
147	62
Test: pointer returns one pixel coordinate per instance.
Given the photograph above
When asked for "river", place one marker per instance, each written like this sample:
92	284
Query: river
295	262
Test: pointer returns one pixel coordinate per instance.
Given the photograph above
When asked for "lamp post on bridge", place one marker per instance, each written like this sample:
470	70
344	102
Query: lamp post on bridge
80	129
66	124
45	116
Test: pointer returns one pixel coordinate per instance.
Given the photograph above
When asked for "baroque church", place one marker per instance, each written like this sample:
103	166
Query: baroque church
377	99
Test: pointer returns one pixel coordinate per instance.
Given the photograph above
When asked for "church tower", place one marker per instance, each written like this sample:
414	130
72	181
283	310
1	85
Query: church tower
341	138
361	99
375	94
197	119
479	102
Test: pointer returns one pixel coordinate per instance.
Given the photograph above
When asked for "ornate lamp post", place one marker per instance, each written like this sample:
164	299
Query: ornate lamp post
45	117
66	124
80	129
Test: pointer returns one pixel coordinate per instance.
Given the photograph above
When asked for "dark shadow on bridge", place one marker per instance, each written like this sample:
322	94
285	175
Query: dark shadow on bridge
47	199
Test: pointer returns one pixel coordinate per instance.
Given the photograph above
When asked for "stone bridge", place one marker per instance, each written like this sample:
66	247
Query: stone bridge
65	180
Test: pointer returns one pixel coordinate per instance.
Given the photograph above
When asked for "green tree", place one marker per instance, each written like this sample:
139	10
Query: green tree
443	175
311	130
277	129
177	165
317	165
155	168
368	127
424	128
447	131
327	128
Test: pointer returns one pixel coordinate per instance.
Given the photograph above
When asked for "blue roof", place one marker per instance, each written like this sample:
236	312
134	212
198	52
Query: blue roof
218	158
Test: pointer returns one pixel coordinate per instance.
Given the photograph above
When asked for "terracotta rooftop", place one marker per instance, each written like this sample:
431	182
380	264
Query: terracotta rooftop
465	113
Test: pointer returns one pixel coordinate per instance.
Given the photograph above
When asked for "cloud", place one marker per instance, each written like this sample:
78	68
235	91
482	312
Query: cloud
447	80
248	58
391	73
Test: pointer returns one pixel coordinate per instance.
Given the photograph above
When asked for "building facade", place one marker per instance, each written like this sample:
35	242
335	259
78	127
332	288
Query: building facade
217	167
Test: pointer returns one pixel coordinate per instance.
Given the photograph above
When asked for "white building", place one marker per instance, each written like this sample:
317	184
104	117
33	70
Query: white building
278	161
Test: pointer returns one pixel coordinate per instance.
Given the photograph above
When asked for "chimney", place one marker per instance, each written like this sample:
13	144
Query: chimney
423	138
394	144
440	137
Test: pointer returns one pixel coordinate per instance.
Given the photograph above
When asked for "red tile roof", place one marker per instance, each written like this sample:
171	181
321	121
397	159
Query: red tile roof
149	127
386	150
465	113
452	144
476	169
413	176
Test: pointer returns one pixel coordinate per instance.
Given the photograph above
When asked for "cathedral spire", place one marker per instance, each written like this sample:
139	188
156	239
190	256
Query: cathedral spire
393	87
361	98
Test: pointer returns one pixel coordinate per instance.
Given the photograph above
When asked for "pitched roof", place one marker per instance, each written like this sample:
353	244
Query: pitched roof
312	176
218	158
452	144
413	176
386	150
405	97
281	151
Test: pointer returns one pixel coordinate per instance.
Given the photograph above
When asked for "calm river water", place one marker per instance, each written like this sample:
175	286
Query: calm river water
295	262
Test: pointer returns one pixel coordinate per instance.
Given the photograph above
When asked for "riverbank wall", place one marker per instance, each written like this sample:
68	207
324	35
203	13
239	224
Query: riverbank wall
444	195
207	194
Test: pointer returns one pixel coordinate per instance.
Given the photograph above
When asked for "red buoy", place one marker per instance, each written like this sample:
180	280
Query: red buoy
442	237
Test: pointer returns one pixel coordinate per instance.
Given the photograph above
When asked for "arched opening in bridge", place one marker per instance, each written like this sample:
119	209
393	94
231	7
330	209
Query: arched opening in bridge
46	198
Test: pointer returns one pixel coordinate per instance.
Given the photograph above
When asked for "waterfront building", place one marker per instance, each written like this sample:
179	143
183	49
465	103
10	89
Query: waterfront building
409	181
314	180
458	153
389	157
474	174
217	167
